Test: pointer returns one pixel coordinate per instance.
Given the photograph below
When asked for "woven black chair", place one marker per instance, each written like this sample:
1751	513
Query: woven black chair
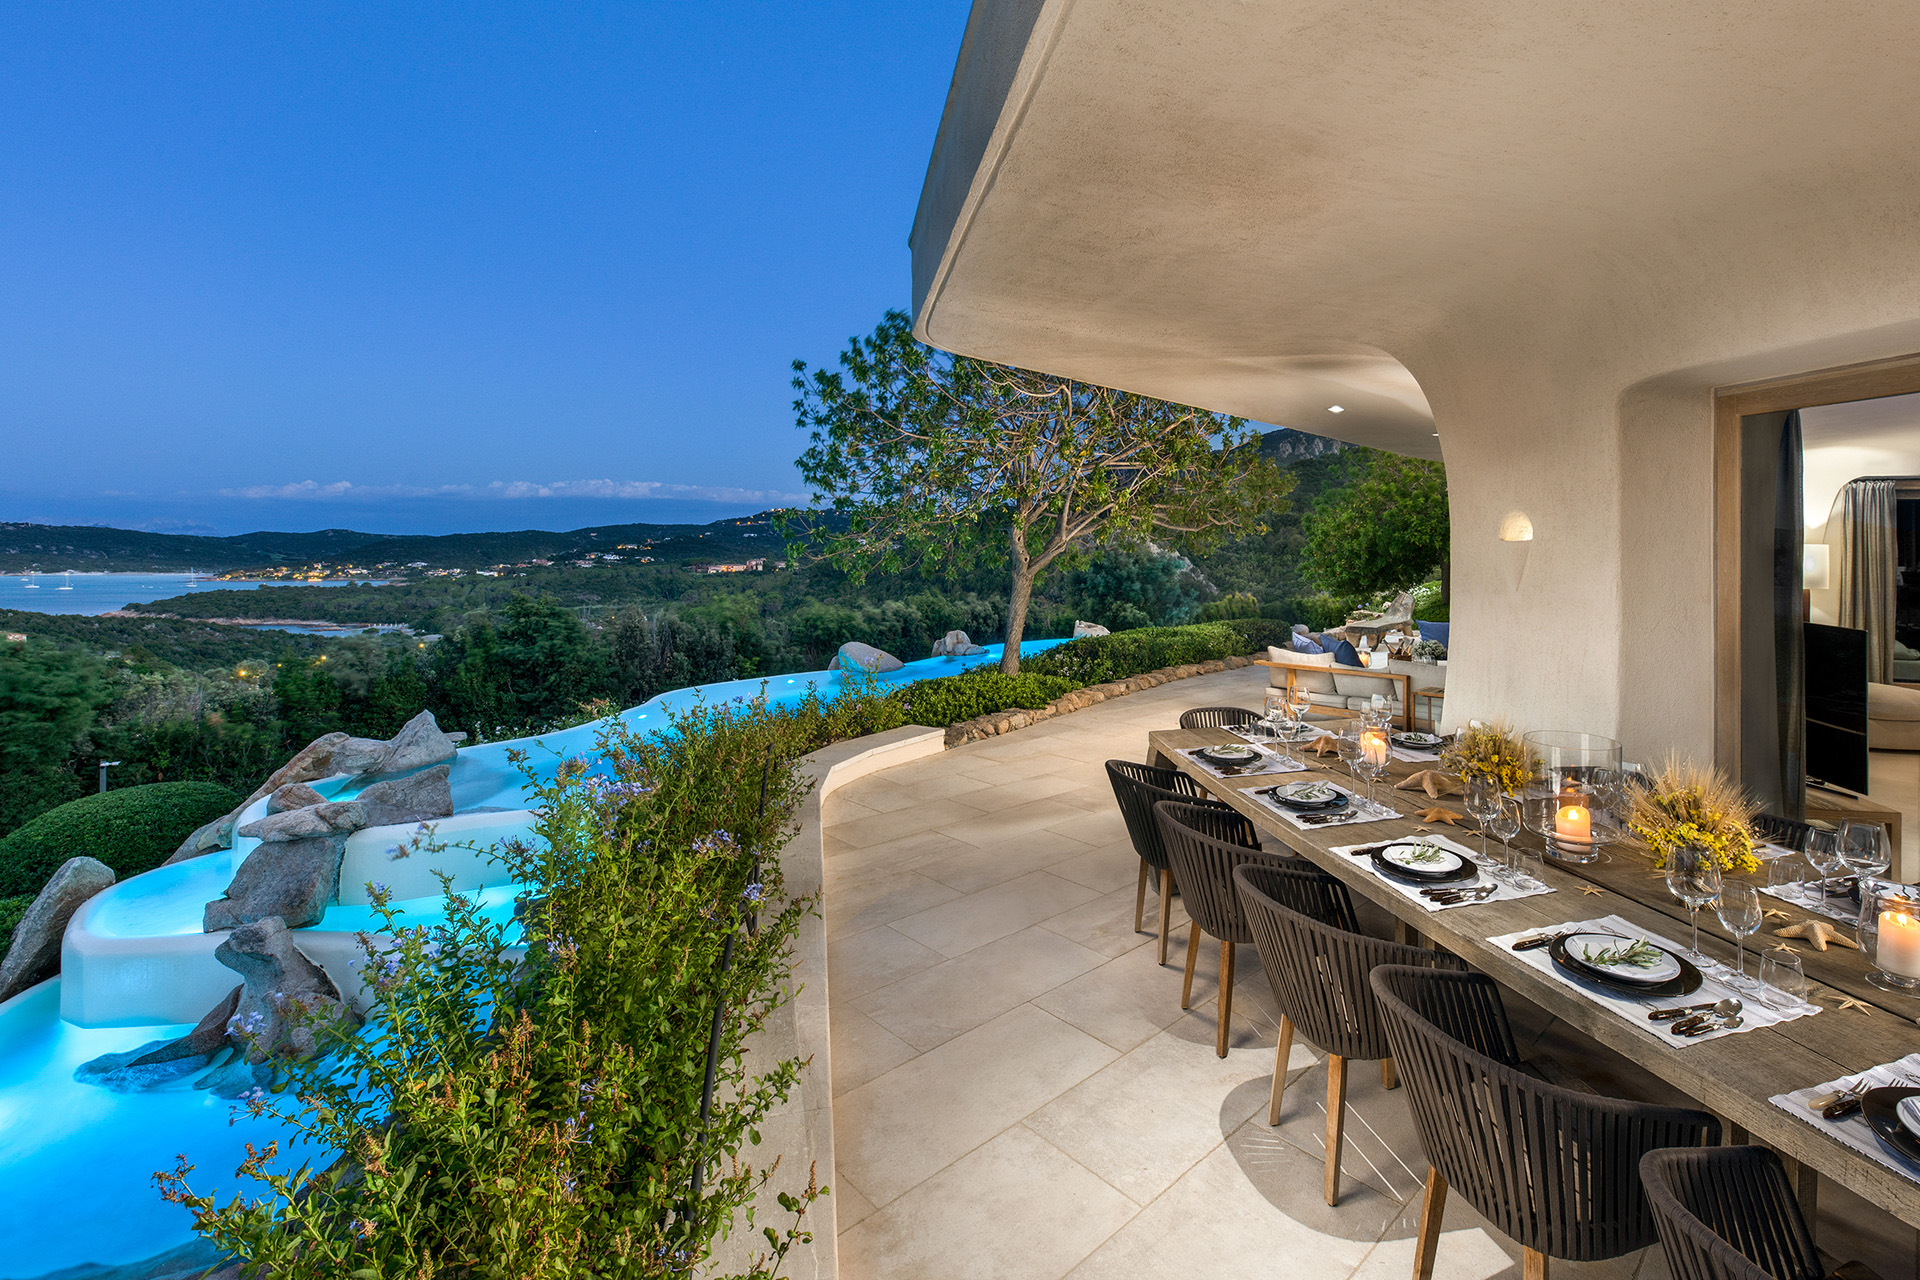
1317	962
1203	850
1557	1170
1137	787
1728	1213
1217	718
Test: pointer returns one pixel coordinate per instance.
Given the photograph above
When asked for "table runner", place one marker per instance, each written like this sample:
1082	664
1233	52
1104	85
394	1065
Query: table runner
1411	892
1854	1130
1633	1009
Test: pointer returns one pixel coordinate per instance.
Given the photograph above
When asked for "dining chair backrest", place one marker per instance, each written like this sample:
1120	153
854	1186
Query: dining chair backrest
1217	717
1556	1170
1316	959
1203	852
1137	788
1728	1213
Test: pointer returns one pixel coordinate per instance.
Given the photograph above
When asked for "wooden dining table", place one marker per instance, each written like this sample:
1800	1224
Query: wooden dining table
1732	1075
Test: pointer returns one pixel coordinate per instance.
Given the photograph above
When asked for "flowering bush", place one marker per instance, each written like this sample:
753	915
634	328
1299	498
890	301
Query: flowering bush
526	1098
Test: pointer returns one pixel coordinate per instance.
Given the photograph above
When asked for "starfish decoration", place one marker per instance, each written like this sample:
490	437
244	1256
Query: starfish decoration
1324	745
1848	1002
1819	933
1438	815
1431	781
1592	890
1775	913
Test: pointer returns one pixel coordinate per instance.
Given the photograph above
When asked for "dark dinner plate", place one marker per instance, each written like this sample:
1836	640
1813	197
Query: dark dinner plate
1407	875
1235	761
1339	801
1881	1109
1687	983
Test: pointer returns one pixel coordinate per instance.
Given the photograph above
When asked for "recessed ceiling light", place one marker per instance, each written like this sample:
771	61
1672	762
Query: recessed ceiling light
1334	408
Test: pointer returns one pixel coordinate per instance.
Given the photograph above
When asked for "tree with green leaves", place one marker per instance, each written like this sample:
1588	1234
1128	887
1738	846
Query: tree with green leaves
1385	531
948	461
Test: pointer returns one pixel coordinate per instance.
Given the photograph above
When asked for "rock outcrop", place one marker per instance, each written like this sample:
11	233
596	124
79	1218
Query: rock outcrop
1082	630
292	880
283	995
418	797
419	744
35	953
956	644
854	656
295	795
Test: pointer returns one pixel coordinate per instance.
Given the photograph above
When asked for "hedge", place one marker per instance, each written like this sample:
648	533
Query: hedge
12	911
1098	659
132	830
951	699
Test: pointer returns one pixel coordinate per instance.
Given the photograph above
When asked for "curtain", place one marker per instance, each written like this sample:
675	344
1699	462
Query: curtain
1789	637
1869	569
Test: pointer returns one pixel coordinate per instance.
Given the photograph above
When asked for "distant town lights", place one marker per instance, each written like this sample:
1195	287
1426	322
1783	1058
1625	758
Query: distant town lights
1336	408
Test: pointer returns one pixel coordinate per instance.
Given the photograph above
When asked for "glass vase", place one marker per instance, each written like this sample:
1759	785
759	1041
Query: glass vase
1890	935
1573	797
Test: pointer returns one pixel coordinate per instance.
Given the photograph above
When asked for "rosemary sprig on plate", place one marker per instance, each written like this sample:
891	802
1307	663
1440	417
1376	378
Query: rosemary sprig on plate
1639	954
1420	853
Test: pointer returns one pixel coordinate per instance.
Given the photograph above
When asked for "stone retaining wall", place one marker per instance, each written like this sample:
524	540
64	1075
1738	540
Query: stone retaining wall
1000	722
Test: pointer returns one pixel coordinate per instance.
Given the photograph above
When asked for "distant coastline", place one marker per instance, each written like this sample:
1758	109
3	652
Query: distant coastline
318	626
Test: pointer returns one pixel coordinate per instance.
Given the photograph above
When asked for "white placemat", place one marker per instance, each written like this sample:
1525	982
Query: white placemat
1854	1129
1411	892
1632	1009
1358	810
1269	762
1833	909
1411	756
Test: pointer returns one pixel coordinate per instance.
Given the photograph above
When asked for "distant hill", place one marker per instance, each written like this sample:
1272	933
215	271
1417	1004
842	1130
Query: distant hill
53	548
1286	445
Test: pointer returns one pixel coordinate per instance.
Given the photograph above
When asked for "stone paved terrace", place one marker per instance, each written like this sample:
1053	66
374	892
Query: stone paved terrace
1018	1094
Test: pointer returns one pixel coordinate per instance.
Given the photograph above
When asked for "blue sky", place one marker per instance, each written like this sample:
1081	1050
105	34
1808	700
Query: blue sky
419	267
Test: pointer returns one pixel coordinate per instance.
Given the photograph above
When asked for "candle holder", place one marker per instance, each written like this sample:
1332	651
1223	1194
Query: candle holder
1890	935
1572	800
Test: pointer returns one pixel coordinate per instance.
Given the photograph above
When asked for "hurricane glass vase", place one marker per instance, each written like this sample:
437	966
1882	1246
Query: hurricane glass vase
1571	797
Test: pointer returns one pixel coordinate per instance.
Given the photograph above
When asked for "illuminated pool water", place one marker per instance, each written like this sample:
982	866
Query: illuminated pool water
76	1161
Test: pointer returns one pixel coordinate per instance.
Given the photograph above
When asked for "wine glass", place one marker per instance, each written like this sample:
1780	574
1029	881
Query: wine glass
1694	878
1371	765
1483	802
1864	850
1299	703
1739	912
1823	851
1276	714
1347	747
1505	825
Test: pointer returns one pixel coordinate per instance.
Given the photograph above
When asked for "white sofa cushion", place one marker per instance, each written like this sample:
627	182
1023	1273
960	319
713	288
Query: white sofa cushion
1311	681
1355	683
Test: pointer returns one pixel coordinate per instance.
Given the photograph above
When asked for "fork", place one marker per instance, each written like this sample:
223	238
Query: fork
1449	897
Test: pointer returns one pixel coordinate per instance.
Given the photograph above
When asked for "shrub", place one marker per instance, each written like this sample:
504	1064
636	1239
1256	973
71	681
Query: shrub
132	830
1238	604
541	1118
1435	612
951	699
12	912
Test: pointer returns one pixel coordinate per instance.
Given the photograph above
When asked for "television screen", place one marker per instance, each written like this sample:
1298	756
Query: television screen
1836	687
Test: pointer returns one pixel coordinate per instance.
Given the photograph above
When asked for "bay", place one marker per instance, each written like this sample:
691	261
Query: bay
96	593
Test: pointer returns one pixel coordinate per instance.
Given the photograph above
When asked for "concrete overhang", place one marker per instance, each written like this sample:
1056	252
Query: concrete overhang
1270	208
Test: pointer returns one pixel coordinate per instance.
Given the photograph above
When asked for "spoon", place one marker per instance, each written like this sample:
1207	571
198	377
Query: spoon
1707	1028
1728	1011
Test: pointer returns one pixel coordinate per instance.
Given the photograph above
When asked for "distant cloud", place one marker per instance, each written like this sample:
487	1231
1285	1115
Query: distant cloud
516	489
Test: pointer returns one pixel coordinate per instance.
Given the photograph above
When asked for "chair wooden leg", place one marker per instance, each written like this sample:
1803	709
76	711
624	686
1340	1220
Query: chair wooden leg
1166	911
1193	954
1140	898
1533	1265
1388	1078
1336	1122
1280	1056
1432	1208
1226	999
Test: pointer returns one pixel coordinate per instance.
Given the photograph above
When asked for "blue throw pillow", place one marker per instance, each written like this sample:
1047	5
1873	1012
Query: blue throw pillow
1434	631
1303	643
1345	655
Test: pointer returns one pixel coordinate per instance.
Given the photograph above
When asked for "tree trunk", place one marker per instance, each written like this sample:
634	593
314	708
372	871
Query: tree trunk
1017	605
1446	580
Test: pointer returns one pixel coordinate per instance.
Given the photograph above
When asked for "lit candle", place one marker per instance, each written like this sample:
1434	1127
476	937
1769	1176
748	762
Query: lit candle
1574	821
1899	943
1373	747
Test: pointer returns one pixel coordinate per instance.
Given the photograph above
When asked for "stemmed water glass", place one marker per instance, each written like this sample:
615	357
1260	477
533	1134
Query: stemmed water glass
1739	912
1865	850
1371	766
1505	825
1823	852
1484	801
1299	703
1276	721
1347	747
1694	878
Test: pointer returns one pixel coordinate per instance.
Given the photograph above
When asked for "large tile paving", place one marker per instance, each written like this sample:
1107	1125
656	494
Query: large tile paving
1019	1093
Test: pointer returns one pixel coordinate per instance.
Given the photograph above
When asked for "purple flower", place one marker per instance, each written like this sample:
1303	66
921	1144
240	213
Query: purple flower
754	892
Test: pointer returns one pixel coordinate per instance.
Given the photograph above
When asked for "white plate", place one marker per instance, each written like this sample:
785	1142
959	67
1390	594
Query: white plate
1400	855
1306	792
1417	739
1230	753
1665	969
1908	1109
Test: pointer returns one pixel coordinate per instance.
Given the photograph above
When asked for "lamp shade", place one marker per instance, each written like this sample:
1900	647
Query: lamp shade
1813	566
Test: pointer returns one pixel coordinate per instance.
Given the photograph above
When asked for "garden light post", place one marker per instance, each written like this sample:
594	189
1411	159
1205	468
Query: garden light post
104	766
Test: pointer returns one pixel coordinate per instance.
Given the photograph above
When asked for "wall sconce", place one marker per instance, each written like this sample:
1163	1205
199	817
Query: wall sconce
1516	536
